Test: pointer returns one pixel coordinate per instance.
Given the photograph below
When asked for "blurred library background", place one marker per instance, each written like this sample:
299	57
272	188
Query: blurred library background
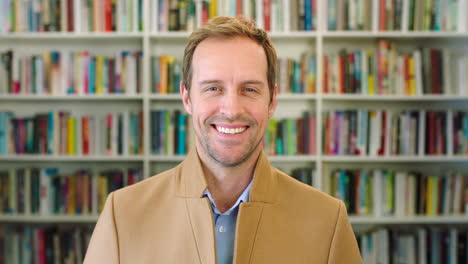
373	110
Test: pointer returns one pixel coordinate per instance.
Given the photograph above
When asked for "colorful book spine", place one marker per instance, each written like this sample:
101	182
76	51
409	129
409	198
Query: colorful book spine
291	136
170	132
52	193
28	244
399	193
59	133
388	71
63	73
71	16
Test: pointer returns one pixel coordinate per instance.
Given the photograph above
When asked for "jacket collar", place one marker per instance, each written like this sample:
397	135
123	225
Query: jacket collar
191	182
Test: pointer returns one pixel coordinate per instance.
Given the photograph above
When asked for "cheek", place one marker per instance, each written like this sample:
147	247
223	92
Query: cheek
261	116
201	114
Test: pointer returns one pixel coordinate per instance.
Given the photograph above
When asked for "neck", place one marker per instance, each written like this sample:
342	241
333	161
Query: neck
226	184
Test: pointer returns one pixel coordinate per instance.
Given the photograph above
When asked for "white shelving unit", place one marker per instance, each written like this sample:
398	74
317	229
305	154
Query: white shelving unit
290	44
356	221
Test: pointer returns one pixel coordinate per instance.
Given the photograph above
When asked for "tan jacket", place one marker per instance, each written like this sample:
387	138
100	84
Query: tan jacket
164	220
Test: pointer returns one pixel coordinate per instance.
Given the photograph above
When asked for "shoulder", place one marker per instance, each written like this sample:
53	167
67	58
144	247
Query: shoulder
295	195
153	189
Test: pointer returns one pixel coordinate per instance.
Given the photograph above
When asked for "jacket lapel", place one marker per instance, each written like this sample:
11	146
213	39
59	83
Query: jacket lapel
201	222
248	221
262	194
191	185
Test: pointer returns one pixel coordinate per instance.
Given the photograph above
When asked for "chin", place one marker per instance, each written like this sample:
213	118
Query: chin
229	159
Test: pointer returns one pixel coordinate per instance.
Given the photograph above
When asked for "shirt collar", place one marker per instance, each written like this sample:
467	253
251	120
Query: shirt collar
244	197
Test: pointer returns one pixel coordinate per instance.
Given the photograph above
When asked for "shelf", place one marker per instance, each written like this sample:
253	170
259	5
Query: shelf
378	159
393	34
355	220
165	97
297	158
293	35
164	158
70	35
404	98
282	97
274	35
297	97
49	219
103	97
360	220
35	157
178	35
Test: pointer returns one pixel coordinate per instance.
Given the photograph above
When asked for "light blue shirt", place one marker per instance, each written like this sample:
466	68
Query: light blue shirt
225	226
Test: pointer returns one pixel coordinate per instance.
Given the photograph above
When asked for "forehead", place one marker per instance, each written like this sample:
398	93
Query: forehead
237	57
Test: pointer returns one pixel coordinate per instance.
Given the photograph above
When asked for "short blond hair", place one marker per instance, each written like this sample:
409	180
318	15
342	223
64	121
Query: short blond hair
230	27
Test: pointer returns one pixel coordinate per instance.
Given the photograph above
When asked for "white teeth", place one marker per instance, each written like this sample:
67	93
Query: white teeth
230	130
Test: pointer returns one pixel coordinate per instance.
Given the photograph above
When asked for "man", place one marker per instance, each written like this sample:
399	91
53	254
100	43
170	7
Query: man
224	203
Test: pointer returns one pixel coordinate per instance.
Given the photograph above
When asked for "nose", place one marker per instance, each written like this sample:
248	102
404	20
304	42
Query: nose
231	104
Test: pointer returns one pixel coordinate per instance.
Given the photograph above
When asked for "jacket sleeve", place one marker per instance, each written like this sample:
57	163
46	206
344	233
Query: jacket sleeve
344	248
104	244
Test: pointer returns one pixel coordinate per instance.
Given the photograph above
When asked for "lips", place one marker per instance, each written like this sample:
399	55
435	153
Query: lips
230	130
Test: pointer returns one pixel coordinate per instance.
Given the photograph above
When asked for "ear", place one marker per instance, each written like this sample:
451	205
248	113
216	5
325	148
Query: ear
185	94
274	102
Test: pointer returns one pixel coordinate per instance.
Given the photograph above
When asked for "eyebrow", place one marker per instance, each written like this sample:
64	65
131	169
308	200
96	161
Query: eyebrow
257	82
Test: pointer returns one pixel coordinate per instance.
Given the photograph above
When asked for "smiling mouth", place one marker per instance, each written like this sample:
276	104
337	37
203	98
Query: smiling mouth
232	131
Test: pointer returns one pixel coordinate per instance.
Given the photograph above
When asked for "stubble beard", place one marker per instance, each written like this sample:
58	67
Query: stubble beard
216	156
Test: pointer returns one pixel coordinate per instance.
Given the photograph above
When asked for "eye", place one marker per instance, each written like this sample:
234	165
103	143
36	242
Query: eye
249	89
212	89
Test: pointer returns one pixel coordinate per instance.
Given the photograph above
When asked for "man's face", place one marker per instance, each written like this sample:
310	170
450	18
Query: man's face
229	99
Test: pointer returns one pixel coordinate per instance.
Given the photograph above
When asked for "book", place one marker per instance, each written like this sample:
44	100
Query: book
400	193
422	71
170	132
43	244
271	15
64	73
393	133
421	245
297	76
397	15
61	133
291	136
71	16
166	75
48	191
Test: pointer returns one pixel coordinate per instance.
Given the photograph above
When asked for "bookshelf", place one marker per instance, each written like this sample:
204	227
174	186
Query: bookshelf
288	43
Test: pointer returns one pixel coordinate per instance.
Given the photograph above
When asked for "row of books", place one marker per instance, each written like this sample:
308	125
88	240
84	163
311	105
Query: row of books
23	244
400	193
388	71
349	14
291	136
294	76
304	175
297	76
71	72
171	132
166	74
402	15
71	16
385	132
422	245
271	15
420	15
48	191
63	133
